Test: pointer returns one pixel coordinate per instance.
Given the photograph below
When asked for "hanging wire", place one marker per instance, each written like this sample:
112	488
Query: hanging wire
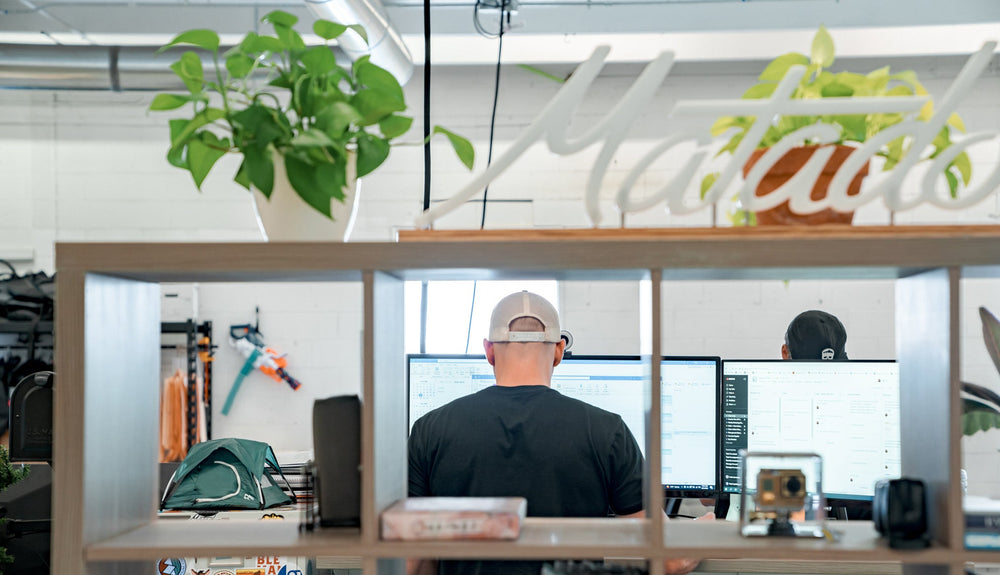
504	14
496	96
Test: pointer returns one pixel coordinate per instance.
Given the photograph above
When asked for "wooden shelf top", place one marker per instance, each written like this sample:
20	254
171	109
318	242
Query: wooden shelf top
780	253
540	539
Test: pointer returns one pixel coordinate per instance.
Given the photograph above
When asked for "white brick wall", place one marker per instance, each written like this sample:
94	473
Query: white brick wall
89	166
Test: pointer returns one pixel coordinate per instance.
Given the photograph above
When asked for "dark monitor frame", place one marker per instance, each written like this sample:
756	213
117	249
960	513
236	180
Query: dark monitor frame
670	493
702	493
858	507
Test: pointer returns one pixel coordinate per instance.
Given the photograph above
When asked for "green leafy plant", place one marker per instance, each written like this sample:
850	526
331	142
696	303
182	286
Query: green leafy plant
980	405
273	94
8	476
820	82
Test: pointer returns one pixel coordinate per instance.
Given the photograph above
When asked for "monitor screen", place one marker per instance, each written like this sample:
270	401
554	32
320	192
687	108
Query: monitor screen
613	383
689	441
846	411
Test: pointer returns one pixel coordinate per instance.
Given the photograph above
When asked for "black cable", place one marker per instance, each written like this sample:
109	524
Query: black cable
427	110
493	116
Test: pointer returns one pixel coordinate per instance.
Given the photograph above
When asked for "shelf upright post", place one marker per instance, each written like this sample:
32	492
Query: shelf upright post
654	483
107	353
927	339
383	404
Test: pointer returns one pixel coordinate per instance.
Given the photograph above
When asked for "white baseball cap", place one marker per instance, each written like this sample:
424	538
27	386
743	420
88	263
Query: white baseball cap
524	304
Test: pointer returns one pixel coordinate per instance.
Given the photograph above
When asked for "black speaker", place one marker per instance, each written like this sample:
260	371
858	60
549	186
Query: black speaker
899	510
337	446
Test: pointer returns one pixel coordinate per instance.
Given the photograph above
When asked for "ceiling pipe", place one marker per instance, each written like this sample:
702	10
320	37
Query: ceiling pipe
385	44
86	68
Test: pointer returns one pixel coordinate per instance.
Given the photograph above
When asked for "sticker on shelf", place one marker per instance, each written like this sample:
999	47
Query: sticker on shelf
171	566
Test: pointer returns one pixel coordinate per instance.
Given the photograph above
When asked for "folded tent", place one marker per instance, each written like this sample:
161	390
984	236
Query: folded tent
226	473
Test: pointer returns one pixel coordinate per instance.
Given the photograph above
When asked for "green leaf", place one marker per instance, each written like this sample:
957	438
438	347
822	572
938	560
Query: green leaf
976	418
955	121
360	31
541	73
854	125
205	39
316	184
837	90
257	127
991	335
168	102
900	90
374	106
731	146
463	148
726	122
952	183
319	60
279	18
707	182
312	138
822	48
256	44
176	153
336	118
189	70
207	116
328	30
239	65
242	175
203	153
964	166
260	169
759	91
378	79
290	39
778	67
395	126
372	151
894	153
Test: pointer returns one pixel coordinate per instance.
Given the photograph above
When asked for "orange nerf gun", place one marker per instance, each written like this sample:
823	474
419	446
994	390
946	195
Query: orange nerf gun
247	339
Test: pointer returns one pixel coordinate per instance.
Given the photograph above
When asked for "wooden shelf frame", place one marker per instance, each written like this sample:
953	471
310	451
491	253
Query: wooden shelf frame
107	334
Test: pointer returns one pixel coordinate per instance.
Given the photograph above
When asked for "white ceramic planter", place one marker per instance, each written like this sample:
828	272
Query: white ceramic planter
287	218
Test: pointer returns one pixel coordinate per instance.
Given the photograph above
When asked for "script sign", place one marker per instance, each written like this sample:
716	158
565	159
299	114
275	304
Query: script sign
553	123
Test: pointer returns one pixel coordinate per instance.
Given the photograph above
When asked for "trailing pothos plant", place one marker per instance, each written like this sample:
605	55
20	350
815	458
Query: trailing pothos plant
820	82
273	94
981	405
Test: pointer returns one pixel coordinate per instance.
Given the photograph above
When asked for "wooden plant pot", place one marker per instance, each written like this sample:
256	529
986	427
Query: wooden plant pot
787	167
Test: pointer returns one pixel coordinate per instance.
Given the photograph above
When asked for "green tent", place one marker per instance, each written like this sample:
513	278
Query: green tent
226	474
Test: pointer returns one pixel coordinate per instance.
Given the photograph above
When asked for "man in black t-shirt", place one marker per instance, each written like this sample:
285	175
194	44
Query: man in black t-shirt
522	438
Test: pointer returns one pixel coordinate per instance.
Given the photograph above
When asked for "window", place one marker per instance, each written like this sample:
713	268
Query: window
456	324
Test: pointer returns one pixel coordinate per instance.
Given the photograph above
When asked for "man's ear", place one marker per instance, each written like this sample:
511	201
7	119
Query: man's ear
490	354
785	354
560	349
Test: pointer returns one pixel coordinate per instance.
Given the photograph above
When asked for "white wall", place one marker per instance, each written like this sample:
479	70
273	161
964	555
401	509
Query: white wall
85	166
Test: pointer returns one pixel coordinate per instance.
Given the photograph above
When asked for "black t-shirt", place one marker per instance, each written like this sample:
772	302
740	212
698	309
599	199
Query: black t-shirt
566	457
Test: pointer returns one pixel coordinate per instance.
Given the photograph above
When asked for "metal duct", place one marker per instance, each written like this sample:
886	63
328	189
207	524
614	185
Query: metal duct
384	42
86	68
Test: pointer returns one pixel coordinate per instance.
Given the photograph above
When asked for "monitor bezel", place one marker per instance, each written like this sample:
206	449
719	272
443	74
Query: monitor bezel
860	503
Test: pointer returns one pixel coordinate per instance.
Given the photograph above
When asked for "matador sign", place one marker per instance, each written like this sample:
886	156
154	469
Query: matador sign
681	196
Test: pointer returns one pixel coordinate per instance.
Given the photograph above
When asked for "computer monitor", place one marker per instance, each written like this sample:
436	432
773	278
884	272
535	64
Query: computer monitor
689	440
690	393
846	411
613	383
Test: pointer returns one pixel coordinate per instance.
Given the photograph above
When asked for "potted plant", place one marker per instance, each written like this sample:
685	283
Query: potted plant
981	405
820	82
300	121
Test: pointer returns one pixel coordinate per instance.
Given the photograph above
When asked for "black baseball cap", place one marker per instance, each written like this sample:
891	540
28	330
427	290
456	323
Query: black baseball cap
815	334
